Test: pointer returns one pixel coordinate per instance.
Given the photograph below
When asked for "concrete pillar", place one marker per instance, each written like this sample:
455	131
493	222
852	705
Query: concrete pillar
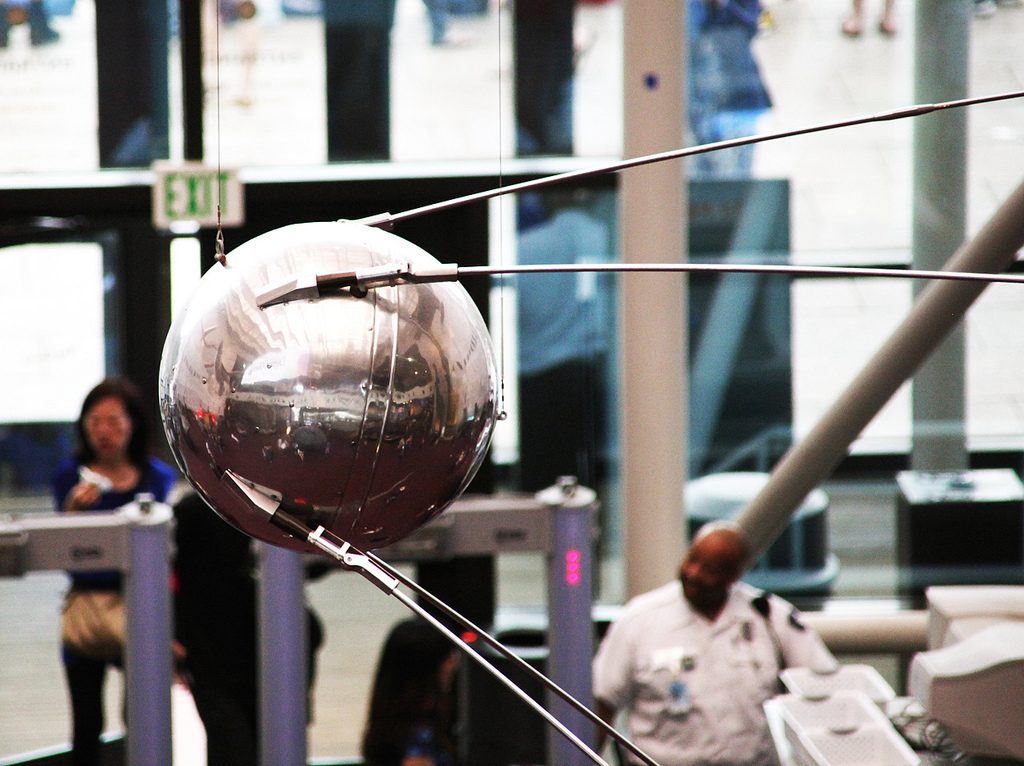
653	334
942	60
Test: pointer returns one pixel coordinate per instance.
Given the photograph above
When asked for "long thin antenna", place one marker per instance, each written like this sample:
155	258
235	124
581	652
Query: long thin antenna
518	661
387	579
386	219
314	286
744	268
487	666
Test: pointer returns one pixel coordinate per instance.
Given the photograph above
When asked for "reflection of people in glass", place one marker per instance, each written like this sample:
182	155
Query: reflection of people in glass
410	717
727	95
543	75
112	465
853	25
563	326
358	62
31	12
243	15
127	34
439	14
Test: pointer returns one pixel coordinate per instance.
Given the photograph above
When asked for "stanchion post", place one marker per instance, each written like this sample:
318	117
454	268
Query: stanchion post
148	662
570	626
282	651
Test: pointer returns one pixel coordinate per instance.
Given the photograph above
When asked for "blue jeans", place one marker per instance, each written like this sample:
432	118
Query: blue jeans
437	11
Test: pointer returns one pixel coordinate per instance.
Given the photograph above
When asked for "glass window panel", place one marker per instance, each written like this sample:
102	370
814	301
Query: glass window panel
53	332
838	325
504	329
48	86
852	187
995	353
451	100
597	85
740	385
266	103
303	83
132	73
564	367
186	271
55	361
565	334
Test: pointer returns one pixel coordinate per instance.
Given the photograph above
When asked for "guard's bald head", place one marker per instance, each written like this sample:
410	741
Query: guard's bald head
726	538
712	565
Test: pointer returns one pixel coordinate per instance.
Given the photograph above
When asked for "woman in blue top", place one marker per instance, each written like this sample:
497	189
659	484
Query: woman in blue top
111	466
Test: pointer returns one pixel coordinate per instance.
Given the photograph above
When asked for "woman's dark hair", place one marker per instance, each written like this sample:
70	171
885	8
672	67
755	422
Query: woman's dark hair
128	394
407	693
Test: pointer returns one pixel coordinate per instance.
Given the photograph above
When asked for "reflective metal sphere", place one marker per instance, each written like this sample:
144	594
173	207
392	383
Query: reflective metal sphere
366	415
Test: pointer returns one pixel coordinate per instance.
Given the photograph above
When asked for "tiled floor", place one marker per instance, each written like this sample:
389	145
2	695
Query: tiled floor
849	194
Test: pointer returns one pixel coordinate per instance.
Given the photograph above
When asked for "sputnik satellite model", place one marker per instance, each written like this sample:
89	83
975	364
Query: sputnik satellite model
331	387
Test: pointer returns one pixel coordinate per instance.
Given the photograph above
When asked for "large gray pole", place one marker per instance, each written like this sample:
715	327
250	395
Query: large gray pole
942	59
653	313
148	671
571	642
283	651
937	311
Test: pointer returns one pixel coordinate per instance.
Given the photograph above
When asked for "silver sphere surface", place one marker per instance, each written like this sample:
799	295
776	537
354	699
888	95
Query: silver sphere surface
365	415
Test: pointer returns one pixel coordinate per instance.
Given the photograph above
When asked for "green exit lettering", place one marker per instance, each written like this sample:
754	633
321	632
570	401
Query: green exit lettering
190	197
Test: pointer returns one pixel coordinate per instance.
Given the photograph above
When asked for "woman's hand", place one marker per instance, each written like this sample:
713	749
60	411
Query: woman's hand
82	496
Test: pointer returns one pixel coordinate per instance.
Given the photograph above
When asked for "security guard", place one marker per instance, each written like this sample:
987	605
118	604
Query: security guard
692	662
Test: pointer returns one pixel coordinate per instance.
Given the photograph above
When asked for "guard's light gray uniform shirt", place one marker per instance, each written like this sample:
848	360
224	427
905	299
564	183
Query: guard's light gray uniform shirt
693	690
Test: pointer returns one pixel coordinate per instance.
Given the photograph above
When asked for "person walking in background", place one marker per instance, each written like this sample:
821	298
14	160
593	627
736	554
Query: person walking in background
439	14
112	465
727	94
984	9
544	72
853	25
411	711
357	59
563	325
31	12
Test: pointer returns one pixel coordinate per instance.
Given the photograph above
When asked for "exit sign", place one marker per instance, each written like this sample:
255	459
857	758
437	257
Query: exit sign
189	192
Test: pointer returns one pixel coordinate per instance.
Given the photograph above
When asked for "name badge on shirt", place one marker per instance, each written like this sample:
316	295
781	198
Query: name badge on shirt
678	698
675	661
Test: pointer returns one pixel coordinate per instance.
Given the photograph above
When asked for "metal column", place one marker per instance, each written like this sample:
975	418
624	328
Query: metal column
148	666
282	652
571	633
